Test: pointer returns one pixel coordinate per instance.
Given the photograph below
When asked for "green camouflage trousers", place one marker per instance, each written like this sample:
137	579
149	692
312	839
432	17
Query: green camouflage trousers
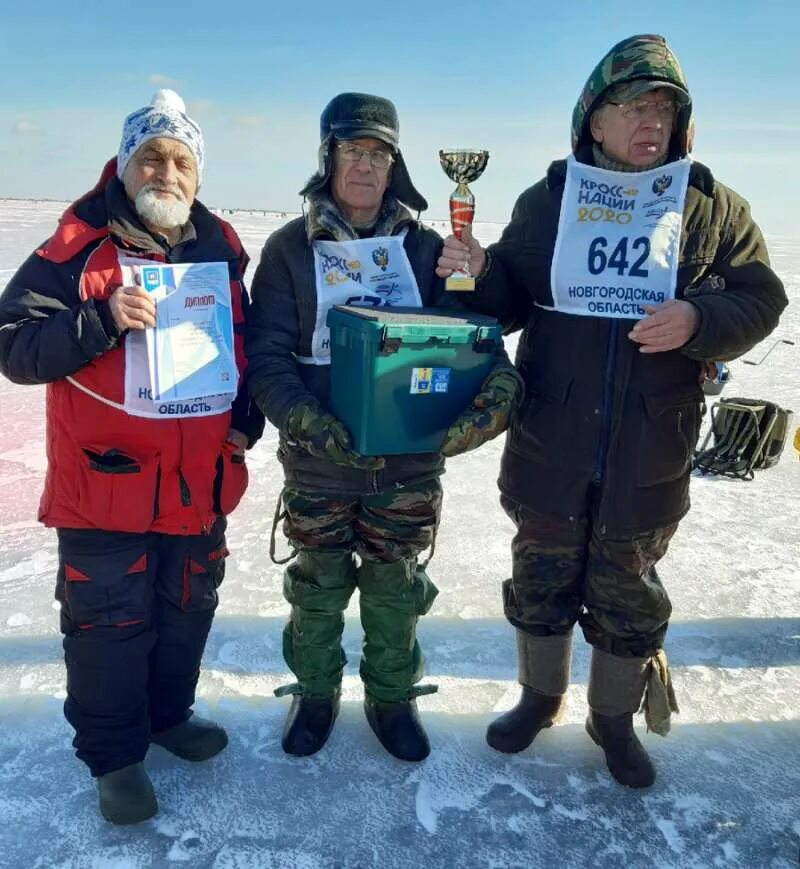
562	574
387	531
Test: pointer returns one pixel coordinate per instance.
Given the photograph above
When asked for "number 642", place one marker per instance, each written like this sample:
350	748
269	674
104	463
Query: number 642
600	261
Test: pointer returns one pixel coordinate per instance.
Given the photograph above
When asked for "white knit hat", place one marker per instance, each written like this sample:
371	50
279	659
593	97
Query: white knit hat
166	118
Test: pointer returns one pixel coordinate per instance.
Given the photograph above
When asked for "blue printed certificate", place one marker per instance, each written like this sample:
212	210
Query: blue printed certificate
190	351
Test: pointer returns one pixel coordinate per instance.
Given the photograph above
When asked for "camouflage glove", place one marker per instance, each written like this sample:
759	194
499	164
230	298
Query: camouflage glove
324	436
488	416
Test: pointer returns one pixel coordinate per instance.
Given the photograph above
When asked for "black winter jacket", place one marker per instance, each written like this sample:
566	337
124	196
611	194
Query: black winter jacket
281	324
597	411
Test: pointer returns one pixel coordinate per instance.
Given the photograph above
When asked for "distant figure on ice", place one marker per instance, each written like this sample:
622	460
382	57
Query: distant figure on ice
627	267
338	503
137	489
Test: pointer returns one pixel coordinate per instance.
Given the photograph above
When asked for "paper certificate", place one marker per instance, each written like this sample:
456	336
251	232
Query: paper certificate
190	351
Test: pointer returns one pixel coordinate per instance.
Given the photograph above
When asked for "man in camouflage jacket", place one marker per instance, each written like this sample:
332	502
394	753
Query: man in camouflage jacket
337	502
595	472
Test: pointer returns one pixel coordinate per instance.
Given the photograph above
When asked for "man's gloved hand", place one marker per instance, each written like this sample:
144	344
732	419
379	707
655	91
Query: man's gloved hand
324	436
489	414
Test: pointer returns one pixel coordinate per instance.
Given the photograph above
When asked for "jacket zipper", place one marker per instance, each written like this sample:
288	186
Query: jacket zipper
186	494
608	400
156	493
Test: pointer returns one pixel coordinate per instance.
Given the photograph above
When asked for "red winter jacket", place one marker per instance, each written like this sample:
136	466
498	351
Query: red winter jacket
109	469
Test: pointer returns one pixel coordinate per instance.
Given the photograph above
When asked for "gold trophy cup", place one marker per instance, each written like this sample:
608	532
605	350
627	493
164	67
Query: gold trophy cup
462	166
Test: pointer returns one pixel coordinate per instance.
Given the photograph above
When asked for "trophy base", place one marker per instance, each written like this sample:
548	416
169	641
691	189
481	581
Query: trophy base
457	283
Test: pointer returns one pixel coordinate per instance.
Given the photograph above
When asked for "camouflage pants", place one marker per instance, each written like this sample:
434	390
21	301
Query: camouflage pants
387	526
563	574
387	531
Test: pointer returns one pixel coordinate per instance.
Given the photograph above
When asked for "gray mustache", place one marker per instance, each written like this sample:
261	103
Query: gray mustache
158	188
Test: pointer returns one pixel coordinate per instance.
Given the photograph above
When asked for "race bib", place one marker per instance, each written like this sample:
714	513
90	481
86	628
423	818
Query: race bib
367	271
618	239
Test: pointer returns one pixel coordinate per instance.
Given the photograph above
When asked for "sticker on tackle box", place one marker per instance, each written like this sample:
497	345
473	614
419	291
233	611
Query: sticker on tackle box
425	381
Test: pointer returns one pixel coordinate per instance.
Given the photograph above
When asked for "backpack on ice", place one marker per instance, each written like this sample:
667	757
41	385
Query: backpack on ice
746	435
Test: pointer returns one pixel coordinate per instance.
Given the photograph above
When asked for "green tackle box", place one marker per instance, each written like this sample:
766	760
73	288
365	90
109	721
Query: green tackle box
401	376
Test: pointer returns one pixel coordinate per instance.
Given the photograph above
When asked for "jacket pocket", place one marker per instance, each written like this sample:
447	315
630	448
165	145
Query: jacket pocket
232	477
540	425
670	425
204	570
103	588
115	490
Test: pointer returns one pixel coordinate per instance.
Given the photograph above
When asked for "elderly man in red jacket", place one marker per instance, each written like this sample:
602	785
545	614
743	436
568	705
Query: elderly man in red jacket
138	488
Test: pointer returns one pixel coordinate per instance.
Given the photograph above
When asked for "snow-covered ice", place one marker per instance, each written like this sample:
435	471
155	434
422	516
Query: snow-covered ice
728	792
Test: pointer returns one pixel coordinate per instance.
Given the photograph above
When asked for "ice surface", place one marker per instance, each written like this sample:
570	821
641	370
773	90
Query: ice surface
728	792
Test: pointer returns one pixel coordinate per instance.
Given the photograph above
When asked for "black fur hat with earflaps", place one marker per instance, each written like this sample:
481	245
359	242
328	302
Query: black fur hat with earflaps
363	116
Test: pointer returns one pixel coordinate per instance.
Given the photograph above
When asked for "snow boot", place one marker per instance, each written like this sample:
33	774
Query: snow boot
543	665
398	728
516	729
626	757
126	795
194	739
309	723
616	688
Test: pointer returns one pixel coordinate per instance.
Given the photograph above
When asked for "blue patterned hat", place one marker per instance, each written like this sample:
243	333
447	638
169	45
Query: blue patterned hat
165	118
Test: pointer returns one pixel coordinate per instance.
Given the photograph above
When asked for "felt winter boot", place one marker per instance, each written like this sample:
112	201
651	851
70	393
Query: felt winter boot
616	686
195	739
626	757
543	664
126	795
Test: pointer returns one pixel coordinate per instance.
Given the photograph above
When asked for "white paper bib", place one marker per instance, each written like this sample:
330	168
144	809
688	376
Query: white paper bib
367	271
618	239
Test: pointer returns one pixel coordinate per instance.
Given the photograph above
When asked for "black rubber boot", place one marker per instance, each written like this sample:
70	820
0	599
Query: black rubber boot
626	757
516	729
126	795
194	739
398	728
309	724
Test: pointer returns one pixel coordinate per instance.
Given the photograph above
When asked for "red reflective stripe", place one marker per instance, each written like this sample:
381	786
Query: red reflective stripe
222	552
187	584
139	566
127	624
74	575
85	627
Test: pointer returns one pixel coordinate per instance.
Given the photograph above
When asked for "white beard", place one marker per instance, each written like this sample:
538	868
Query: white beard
164	213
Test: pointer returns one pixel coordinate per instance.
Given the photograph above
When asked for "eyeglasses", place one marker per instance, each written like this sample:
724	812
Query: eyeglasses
638	110
378	159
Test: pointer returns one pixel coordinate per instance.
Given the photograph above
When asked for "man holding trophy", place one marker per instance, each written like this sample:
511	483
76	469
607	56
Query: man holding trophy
138	483
337	503
628	267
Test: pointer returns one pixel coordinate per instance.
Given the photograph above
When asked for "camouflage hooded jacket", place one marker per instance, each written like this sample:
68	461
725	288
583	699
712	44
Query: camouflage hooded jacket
596	410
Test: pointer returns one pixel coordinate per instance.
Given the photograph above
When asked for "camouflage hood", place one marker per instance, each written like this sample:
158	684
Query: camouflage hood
646	58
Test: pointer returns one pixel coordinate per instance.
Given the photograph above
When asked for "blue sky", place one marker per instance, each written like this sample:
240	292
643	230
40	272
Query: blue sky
500	75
